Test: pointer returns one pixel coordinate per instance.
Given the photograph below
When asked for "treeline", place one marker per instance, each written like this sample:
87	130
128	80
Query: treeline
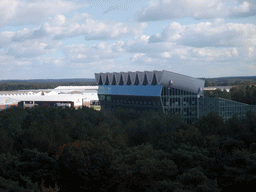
55	149
227	81
10	85
244	92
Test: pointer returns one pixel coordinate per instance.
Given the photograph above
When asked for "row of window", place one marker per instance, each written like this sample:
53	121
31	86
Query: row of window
136	102
173	102
174	91
188	101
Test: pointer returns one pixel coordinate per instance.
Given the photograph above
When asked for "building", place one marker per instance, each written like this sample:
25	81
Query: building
6	102
222	88
65	96
224	107
162	90
157	90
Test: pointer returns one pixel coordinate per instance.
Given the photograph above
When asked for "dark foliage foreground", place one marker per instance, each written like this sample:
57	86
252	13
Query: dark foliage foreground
54	149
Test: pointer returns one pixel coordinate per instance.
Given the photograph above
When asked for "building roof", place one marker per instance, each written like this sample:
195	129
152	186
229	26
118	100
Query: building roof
218	87
165	78
76	88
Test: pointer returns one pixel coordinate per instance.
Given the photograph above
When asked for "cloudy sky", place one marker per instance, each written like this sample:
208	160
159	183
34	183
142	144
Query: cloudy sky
42	39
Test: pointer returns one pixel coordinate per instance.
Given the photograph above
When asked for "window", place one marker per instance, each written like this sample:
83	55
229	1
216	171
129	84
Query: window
174	92
108	98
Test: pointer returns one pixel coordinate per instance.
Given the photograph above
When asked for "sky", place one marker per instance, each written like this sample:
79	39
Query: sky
60	39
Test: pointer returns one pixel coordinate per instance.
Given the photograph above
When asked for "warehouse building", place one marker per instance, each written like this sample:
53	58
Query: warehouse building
162	90
62	96
6	102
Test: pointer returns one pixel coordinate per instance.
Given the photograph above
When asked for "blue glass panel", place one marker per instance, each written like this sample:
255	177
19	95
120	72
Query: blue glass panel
136	90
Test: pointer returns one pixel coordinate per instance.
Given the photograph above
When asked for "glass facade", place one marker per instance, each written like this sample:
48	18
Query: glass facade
138	97
224	107
163	90
149	97
178	101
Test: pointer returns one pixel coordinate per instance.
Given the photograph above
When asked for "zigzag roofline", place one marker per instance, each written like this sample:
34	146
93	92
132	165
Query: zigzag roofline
165	78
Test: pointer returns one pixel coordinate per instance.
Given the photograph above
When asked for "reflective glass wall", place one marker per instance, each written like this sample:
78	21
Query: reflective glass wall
138	97
224	107
179	101
150	97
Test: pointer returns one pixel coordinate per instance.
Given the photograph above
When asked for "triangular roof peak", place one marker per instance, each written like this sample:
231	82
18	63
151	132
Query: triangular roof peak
164	78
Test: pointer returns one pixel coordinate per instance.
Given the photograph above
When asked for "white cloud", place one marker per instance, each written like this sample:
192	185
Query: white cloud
167	52
60	27
203	9
93	29
8	61
140	45
5	38
33	11
207	34
94	53
33	48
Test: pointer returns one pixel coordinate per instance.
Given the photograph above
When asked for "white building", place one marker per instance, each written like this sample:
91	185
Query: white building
78	95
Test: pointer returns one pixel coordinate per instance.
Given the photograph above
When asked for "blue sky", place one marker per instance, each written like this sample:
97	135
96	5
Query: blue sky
54	39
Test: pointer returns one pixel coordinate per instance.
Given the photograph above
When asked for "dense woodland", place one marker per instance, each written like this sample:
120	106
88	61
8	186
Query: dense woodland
64	149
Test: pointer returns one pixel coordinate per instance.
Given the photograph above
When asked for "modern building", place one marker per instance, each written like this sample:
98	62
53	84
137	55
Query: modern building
162	90
157	90
224	107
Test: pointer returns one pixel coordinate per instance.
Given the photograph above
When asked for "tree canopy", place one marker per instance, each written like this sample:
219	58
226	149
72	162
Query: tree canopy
58	149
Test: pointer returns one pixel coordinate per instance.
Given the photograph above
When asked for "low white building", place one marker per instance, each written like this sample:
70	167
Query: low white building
77	95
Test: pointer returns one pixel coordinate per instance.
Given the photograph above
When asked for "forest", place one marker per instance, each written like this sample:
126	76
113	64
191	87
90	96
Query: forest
64	149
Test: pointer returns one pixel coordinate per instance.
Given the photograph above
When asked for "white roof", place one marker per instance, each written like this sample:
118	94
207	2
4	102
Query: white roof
76	87
77	98
61	93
